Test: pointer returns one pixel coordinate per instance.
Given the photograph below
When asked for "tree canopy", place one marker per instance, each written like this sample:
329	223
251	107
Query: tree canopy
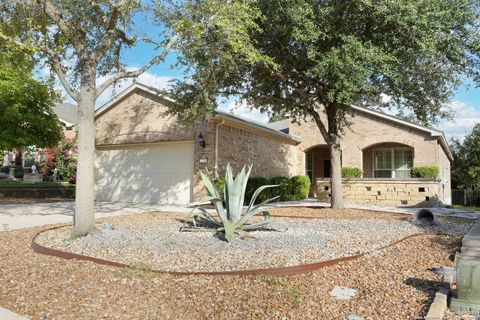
466	161
26	115
319	57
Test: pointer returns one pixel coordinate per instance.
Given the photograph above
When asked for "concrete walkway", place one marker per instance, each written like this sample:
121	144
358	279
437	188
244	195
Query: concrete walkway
17	216
9	315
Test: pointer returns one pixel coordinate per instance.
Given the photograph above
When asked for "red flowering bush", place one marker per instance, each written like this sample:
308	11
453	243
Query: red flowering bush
63	158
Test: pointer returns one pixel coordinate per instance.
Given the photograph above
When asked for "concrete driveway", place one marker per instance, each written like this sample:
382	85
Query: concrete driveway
17	216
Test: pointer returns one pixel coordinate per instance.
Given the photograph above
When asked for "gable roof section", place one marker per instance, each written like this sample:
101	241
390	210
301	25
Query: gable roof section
126	92
433	132
66	113
218	114
241	121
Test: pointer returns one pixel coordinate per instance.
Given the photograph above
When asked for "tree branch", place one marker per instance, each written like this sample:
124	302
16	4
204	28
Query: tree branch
76	38
57	67
135	73
14	41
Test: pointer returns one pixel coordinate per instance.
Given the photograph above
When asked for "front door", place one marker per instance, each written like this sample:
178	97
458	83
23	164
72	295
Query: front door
326	168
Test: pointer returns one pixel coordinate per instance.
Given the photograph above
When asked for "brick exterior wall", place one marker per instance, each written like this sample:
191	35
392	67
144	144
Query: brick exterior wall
139	118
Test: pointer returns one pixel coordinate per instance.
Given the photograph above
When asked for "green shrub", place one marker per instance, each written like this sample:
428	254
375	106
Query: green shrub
18	172
300	187
351	172
253	184
220	185
284	190
425	172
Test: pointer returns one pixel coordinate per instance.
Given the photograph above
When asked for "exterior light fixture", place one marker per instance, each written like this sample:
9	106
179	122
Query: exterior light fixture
201	140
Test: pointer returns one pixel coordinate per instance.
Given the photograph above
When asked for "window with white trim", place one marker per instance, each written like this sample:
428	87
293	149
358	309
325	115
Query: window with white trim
395	163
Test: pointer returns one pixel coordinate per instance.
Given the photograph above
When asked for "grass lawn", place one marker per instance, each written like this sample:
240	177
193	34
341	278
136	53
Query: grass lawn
20	184
457	206
394	283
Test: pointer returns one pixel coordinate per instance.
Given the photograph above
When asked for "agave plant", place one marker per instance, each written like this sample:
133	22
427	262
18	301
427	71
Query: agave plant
231	218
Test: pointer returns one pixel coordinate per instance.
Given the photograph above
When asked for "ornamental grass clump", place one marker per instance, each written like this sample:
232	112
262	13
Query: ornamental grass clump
231	219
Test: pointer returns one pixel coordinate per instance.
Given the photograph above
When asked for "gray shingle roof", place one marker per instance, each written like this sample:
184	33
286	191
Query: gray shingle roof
66	112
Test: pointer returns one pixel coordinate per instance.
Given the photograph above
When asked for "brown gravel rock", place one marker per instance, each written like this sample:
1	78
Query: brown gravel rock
394	283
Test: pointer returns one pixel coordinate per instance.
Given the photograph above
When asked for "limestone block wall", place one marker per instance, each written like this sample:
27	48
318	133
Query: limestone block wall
418	192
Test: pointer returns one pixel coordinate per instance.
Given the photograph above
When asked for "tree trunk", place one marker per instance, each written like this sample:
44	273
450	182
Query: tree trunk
84	219
19	157
336	176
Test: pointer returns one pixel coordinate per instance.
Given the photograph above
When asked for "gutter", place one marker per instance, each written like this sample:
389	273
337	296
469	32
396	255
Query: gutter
215	168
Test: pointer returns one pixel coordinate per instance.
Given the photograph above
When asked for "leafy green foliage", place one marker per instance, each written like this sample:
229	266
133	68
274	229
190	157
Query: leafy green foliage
351	172
253	184
339	53
425	172
284	190
300	187
466	161
220	185
231	220
25	104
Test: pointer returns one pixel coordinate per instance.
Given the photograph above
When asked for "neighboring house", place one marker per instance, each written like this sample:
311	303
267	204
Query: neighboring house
146	156
67	114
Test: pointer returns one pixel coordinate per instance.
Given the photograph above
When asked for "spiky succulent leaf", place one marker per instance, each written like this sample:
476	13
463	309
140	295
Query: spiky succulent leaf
210	186
235	193
254	210
265	221
257	193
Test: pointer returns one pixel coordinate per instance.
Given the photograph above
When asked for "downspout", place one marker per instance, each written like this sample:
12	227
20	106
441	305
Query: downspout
215	168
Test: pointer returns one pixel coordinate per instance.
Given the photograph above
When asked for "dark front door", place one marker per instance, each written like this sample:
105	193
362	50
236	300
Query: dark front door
326	168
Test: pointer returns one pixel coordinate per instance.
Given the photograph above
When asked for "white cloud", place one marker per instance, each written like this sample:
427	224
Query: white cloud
243	110
466	117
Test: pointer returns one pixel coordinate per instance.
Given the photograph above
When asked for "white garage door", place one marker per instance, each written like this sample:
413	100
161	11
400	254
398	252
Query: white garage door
160	173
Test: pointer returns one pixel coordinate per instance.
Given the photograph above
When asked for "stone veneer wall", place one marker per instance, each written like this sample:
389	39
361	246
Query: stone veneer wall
385	192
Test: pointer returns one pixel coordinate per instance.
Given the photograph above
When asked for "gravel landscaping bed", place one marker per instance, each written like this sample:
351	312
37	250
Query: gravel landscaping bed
394	283
154	241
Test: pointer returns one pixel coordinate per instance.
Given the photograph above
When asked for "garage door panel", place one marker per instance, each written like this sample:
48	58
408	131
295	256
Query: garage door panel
153	174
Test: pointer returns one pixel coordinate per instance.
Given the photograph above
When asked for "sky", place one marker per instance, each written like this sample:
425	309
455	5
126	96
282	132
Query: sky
465	103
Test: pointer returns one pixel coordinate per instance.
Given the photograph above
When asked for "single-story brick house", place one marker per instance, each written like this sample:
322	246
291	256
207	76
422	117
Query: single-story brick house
145	156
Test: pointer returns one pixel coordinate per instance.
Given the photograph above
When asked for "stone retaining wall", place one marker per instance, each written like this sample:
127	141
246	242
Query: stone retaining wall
422	192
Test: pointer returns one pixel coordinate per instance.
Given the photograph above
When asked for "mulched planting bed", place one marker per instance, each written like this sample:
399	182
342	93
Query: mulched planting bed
394	283
154	241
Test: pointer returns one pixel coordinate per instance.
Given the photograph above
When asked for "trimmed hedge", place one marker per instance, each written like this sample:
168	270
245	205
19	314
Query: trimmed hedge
284	189
253	184
295	188
426	172
351	172
300	187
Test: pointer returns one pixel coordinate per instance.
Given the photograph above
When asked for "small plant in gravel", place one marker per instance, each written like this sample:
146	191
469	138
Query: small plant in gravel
272	281
296	296
137	269
230	219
